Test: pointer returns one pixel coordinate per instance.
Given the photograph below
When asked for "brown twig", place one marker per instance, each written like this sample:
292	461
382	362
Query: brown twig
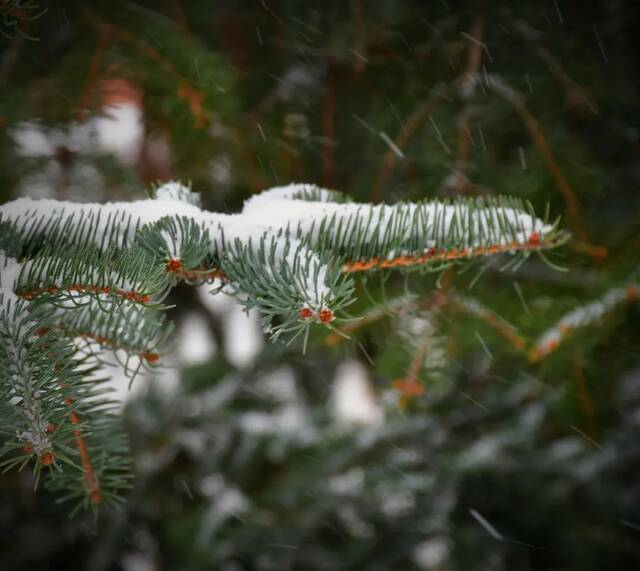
90	480
181	18
585	402
540	143
92	73
187	92
400	307
149	356
174	266
467	87
505	329
576	96
410	386
443	255
85	288
409	129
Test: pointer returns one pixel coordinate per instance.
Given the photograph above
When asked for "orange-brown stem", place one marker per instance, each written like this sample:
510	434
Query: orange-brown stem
410	387
90	480
84	288
550	163
585	402
390	158
92	74
442	255
175	266
149	356
464	136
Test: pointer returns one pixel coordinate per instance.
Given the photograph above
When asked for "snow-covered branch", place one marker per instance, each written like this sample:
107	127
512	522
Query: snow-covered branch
581	317
292	241
93	277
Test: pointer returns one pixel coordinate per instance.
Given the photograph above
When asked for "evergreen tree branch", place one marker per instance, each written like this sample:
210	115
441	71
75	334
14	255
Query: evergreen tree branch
474	308
135	329
582	317
100	272
576	96
284	252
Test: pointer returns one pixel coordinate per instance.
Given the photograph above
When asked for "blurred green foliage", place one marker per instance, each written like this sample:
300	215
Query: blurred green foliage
502	463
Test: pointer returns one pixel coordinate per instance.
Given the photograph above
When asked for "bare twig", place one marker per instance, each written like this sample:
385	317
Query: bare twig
409	129
540	143
467	89
576	95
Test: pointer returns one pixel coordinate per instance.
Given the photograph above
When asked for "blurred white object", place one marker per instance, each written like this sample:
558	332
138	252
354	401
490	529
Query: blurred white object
432	553
195	342
120	131
352	398
243	338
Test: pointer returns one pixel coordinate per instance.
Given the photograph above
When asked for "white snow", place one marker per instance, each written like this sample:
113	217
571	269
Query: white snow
174	190
120	130
195	342
432	553
243	337
581	317
266	215
9	273
352	399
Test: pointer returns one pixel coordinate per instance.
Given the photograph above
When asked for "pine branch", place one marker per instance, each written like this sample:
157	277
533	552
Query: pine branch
575	95
410	127
582	317
192	96
282	254
99	273
134	329
474	308
392	307
81	272
410	387
40	378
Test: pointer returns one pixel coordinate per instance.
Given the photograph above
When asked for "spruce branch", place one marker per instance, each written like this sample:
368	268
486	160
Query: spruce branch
467	89
138	331
81	272
97	275
193	96
53	410
285	253
14	13
410	386
582	317
410	128
473	307
575	95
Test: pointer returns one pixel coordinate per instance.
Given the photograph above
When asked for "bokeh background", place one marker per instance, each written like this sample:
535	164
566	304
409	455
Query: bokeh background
430	439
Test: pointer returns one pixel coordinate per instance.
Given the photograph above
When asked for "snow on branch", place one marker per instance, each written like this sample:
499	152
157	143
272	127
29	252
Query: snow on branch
52	408
78	279
581	317
286	252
